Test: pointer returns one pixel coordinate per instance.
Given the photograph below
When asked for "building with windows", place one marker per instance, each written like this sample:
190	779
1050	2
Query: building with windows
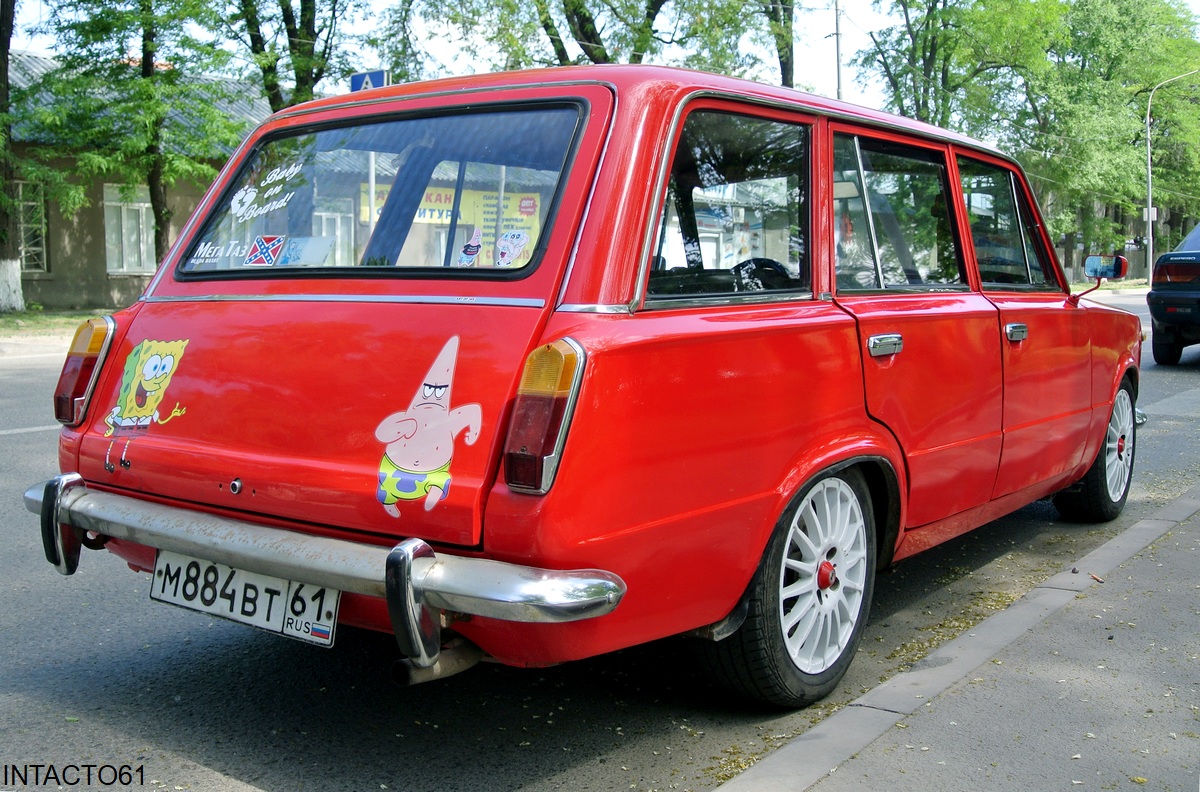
103	255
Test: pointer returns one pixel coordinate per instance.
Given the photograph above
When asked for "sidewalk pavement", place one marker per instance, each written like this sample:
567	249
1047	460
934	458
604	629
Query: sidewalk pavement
1078	685
27	345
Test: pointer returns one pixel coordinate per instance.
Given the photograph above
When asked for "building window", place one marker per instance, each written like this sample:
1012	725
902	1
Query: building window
128	230
31	226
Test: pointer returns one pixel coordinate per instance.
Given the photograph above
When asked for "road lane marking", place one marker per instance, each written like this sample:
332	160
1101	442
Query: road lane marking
29	429
1182	405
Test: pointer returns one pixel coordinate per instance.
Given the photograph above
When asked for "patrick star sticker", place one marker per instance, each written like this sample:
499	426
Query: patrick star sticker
419	442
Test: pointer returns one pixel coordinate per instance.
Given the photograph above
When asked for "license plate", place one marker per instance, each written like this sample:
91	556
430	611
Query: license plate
297	610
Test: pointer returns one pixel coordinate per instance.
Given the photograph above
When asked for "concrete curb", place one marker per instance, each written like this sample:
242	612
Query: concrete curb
818	752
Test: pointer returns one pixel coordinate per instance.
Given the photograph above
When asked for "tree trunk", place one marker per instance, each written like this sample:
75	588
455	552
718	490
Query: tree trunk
154	178
11	298
8	211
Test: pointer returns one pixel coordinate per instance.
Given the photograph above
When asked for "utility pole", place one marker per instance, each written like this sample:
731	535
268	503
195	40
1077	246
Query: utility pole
1150	213
837	44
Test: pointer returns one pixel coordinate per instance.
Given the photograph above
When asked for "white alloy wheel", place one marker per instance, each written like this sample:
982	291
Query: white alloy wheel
1118	446
823	576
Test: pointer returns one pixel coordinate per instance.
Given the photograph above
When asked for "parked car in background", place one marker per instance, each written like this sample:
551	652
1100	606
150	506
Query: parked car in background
1174	300
537	366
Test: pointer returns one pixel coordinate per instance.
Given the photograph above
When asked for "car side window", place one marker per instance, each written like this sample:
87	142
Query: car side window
735	218
892	225
1007	251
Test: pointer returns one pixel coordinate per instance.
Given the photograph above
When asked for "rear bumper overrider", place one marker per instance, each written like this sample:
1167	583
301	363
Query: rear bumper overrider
417	583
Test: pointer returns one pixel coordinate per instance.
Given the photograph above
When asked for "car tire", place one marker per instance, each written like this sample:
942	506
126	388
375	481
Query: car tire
1166	353
1100	495
808	601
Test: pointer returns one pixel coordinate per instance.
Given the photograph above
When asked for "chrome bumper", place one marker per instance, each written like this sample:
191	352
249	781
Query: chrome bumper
415	582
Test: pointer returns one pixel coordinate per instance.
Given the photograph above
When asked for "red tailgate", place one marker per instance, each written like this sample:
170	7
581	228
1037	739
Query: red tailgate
360	415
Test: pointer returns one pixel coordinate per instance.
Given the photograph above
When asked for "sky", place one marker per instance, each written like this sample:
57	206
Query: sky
816	58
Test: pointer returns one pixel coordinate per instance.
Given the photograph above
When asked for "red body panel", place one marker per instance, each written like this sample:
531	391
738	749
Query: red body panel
695	423
295	411
940	395
1047	389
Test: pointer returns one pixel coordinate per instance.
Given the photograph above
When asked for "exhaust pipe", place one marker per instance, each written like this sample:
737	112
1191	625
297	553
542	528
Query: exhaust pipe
456	657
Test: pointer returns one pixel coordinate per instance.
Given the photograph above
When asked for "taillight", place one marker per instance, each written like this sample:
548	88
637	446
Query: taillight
1176	272
79	372
542	414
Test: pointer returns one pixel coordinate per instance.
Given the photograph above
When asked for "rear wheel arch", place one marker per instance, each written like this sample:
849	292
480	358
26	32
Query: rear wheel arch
1132	374
881	463
884	488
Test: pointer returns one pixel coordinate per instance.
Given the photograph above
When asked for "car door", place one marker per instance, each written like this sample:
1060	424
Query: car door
1044	334
929	346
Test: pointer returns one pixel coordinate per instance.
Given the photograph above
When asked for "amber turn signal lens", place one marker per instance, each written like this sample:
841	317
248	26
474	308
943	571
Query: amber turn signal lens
80	370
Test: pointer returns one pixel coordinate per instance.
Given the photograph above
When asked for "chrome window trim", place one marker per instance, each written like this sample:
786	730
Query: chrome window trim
727	299
806	105
641	289
170	262
593	309
866	200
401	299
587	206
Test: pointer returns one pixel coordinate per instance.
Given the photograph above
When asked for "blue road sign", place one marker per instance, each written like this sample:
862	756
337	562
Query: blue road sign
365	81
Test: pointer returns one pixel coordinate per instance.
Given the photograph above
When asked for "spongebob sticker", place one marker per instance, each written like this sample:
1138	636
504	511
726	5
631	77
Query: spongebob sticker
148	371
419	442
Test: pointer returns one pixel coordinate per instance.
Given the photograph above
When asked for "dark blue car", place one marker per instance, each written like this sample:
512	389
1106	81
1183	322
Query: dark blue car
1174	300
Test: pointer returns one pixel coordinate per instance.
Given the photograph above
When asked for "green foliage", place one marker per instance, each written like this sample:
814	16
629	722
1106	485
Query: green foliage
128	101
293	46
716	35
1063	84
398	44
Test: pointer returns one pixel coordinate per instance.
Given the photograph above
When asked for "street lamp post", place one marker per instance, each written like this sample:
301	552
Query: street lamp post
1149	189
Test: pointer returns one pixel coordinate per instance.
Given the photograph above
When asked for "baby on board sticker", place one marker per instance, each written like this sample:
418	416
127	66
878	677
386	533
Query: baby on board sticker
419	442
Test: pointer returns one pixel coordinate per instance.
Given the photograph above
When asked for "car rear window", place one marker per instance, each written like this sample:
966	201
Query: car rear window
451	194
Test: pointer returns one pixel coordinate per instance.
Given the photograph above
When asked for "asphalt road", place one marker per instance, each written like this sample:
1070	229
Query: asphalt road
93	673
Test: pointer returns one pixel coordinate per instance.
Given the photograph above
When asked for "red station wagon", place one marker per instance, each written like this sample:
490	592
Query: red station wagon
536	366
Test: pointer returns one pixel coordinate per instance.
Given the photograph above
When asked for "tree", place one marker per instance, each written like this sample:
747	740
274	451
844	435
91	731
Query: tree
1078	114
10	265
1062	85
929	60
781	22
698	33
129	100
397	44
292	47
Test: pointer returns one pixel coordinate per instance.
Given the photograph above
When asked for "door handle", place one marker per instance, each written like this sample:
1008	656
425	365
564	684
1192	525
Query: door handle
1016	331
885	344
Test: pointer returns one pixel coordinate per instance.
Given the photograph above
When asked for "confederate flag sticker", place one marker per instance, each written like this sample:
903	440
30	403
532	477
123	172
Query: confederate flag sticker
264	251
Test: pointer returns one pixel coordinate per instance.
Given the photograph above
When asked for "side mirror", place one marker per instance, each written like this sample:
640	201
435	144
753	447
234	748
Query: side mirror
1106	267
1102	268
